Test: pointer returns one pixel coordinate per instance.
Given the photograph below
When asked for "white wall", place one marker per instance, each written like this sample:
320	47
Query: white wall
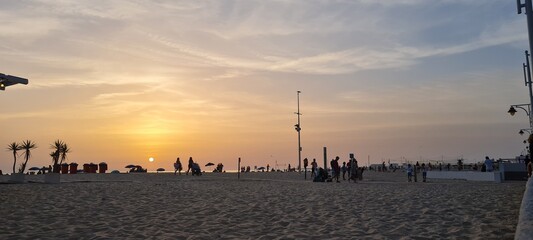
466	175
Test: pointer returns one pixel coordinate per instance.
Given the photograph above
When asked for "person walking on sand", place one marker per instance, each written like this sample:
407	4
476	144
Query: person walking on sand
189	166
306	163
177	166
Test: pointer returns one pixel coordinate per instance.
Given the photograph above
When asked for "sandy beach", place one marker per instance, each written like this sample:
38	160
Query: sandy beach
258	206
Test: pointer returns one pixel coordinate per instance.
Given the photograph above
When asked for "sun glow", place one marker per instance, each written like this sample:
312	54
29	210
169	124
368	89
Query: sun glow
151	159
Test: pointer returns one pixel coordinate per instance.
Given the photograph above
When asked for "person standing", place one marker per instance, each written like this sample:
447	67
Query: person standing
343	170
488	164
313	168
177	166
409	172
424	172
190	165
336	168
306	163
353	170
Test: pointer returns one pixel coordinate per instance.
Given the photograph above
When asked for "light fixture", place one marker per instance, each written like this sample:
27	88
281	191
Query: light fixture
512	111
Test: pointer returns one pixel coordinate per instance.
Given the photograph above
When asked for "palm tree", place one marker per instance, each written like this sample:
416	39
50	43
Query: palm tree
57	146
14	147
64	150
27	146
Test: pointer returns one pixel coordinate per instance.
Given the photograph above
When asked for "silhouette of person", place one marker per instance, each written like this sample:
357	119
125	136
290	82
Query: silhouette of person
177	167
343	170
335	168
313	168
190	165
409	172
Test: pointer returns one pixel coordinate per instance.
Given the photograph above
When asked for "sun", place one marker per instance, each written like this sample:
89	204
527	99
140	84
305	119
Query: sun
151	159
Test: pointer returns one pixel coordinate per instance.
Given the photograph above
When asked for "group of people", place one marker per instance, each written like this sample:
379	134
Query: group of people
413	170
192	167
350	169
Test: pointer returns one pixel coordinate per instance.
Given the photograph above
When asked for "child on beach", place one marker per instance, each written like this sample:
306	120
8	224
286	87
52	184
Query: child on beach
343	170
409	172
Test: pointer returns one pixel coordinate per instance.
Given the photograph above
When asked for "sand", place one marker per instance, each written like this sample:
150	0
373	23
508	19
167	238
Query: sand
259	206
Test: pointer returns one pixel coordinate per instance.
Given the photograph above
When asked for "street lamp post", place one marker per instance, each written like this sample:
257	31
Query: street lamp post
527	5
298	128
8	80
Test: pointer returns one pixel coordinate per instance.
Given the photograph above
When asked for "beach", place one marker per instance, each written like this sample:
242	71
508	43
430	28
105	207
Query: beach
258	206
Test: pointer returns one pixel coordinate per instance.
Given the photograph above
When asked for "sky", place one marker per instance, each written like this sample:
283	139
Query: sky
121	81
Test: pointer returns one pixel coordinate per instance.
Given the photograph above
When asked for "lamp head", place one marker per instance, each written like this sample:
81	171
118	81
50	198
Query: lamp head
521	132
512	111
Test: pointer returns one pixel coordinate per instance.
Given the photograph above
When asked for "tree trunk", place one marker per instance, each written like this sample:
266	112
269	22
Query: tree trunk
14	161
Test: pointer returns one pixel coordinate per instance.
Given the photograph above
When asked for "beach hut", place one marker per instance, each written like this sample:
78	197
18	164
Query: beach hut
73	168
102	167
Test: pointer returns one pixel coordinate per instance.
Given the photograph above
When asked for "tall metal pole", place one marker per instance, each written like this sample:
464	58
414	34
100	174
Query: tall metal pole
326	159
298	128
529	14
528	83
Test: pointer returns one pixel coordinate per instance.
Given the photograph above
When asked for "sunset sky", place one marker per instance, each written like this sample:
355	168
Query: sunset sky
122	81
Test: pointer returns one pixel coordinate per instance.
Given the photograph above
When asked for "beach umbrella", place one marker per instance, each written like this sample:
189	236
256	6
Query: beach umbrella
160	169
34	169
130	166
209	164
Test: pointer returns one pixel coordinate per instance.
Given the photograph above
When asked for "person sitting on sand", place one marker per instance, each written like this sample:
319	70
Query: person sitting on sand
177	166
196	169
321	175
